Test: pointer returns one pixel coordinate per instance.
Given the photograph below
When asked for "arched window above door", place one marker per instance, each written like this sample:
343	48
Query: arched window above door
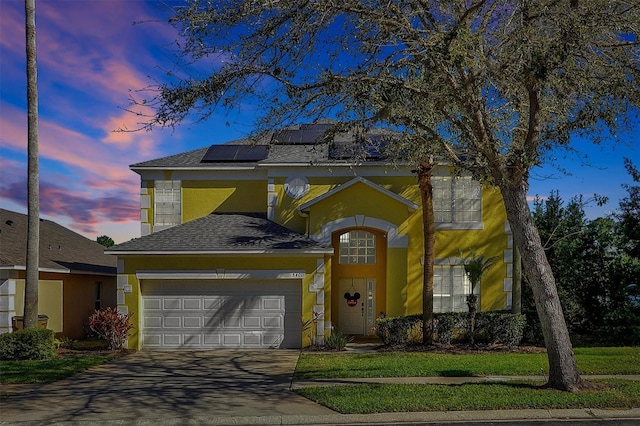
357	247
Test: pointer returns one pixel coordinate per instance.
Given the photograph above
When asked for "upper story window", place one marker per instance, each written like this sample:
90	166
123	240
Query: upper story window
450	288
457	200
357	247
167	206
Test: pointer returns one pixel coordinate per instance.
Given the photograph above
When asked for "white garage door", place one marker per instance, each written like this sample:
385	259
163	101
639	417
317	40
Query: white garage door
214	314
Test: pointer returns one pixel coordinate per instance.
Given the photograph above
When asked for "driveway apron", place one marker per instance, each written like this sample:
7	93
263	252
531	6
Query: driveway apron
165	385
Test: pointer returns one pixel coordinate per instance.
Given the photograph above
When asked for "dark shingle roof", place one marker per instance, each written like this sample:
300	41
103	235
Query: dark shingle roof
301	146
217	233
194	158
60	247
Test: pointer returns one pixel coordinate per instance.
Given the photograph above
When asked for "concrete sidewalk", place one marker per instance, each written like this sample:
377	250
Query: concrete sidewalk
439	380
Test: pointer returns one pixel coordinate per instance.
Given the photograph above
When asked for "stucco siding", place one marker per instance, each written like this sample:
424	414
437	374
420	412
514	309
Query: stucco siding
201	198
50	298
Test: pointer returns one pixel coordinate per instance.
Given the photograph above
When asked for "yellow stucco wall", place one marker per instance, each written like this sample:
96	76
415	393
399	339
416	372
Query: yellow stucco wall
49	301
201	198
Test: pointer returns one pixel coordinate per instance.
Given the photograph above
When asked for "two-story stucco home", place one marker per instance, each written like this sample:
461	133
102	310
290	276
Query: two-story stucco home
243	244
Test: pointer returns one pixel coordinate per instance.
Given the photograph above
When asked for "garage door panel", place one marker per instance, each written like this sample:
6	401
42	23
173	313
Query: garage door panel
171	303
212	303
152	339
152	304
152	322
212	322
273	322
251	322
200	314
232	340
192	322
231	322
252	340
192	340
272	303
212	340
171	340
192	304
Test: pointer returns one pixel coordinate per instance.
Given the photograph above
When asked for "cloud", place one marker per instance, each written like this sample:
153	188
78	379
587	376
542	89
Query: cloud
86	211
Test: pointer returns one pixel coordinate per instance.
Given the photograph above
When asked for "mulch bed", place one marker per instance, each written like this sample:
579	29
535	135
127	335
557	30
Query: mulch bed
71	353
460	349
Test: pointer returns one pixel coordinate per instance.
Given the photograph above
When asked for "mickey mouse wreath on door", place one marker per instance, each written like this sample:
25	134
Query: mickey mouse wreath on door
352	300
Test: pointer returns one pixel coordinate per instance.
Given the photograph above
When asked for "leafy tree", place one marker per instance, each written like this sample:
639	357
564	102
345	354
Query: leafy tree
592	271
492	86
629	212
33	182
105	240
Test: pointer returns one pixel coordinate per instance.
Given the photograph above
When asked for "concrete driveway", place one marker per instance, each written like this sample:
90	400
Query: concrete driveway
169	385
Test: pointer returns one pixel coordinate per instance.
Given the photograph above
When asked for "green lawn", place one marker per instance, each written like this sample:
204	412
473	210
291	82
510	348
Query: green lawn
47	371
383	398
598	360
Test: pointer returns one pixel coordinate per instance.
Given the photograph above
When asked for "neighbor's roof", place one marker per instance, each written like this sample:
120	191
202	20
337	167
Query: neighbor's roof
303	144
221	233
61	249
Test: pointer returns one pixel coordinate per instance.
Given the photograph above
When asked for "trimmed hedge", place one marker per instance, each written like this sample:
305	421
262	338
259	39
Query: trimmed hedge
29	344
399	330
496	327
501	327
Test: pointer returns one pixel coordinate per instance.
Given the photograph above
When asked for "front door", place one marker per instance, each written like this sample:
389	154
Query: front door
357	306
358	274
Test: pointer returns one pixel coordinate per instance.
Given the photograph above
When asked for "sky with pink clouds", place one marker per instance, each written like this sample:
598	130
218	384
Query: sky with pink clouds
91	56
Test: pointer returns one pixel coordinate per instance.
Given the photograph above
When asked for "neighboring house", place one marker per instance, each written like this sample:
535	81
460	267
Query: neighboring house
245	246
76	277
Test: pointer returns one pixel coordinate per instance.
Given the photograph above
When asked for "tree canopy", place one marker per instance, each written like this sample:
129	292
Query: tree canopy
105	240
494	87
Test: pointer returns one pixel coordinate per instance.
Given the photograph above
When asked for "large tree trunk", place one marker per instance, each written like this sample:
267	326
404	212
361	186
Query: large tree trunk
516	286
563	371
33	183
424	172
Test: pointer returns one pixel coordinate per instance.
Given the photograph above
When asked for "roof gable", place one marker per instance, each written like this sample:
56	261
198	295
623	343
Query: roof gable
410	204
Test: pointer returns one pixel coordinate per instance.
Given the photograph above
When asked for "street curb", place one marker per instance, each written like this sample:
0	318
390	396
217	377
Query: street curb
371	419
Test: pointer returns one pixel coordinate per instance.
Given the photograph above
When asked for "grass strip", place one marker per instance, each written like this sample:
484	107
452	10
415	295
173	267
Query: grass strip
601	360
47	371
385	398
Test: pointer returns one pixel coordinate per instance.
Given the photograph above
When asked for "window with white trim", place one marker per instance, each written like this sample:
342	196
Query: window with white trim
456	199
357	247
167	206
450	288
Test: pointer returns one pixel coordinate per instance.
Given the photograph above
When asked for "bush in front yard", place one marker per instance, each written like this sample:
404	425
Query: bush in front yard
29	344
451	327
111	325
336	341
501	327
399	330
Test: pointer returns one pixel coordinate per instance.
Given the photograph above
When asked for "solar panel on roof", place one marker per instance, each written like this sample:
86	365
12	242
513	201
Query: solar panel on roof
307	134
371	150
235	153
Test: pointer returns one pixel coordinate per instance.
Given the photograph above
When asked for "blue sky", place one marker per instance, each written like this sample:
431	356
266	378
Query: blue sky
91	58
